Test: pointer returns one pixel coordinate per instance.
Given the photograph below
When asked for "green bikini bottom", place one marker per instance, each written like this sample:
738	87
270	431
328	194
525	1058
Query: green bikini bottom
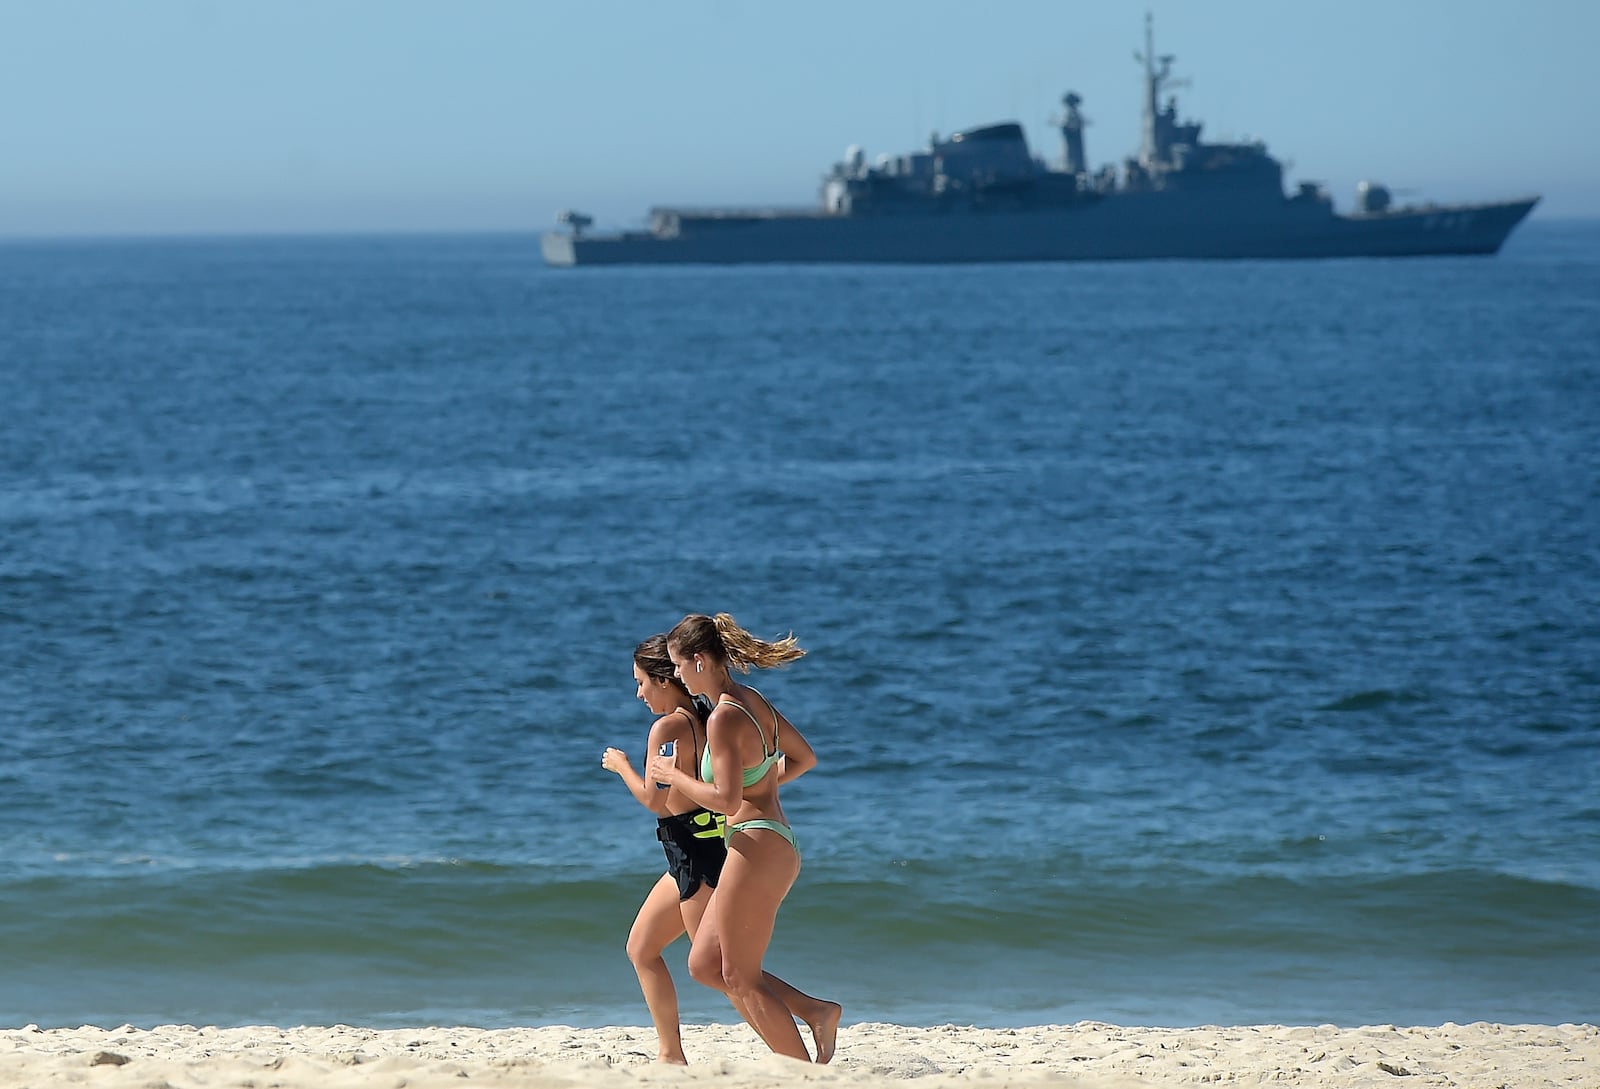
777	826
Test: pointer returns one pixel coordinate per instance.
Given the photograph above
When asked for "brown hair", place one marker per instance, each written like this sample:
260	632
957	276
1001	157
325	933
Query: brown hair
721	638
651	657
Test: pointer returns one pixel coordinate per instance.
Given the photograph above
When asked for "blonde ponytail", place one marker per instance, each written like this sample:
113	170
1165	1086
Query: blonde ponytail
745	650
723	639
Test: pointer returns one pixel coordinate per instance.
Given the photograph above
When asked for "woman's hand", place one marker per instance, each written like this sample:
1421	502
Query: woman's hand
614	760
661	769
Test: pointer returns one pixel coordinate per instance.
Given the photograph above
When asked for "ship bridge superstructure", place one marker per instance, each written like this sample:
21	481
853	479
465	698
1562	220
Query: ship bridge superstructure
981	168
992	166
1171	152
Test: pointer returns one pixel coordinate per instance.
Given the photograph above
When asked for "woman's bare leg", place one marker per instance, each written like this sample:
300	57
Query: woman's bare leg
705	949
734	935
694	910
658	923
820	1015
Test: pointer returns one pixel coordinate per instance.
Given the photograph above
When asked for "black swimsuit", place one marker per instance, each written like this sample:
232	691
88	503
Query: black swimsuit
694	845
695	849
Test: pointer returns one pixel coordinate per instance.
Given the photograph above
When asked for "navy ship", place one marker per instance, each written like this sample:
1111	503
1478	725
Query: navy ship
981	195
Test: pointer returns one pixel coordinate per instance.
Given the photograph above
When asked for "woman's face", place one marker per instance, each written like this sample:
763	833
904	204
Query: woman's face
692	678
656	694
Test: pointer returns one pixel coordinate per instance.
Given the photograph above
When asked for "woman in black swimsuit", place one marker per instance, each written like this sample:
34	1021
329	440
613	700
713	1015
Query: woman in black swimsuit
693	840
690	835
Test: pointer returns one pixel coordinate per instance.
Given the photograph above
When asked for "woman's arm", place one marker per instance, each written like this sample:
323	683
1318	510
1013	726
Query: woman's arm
798	755
645	793
723	795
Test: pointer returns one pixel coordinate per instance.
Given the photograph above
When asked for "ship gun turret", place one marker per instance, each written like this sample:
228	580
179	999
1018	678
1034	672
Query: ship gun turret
1372	198
576	220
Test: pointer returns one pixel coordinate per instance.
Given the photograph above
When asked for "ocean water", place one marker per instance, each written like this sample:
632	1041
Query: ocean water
1188	642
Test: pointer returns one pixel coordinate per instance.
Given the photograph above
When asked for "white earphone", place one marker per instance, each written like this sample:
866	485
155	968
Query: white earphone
697	667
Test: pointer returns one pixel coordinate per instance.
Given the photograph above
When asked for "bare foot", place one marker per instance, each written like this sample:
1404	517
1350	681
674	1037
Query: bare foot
825	1029
672	1060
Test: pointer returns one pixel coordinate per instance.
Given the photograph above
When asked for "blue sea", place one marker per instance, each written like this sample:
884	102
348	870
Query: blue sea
1189	643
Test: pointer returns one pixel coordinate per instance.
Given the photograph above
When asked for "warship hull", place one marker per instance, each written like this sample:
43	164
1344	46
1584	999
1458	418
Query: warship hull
1120	227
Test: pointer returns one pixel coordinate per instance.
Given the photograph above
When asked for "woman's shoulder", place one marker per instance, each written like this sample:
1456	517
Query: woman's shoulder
675	723
755	699
737	702
728	711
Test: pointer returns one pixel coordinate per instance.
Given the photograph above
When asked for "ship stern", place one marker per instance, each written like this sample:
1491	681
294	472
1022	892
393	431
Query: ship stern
558	249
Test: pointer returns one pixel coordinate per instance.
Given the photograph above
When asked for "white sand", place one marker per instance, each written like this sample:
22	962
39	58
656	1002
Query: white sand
1476	1056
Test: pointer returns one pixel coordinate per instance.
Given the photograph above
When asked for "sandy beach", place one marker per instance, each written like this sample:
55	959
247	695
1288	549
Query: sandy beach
1088	1053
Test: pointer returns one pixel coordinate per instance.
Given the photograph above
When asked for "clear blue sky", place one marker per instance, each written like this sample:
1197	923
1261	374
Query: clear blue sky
186	116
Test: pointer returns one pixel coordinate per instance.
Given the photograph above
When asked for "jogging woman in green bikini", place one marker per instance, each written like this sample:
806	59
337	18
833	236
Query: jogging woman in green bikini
751	749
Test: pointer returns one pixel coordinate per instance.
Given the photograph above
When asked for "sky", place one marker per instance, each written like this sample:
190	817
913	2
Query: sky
154	117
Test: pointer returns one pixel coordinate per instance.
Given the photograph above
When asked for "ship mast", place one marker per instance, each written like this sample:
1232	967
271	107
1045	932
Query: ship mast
1150	150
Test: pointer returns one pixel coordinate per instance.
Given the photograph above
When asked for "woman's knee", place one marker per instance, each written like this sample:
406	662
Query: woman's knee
739	979
641	951
706	971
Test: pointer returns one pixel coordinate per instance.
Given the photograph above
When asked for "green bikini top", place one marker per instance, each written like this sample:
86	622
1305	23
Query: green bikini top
754	775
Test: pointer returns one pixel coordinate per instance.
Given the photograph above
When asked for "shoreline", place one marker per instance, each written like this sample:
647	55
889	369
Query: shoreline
1089	1053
